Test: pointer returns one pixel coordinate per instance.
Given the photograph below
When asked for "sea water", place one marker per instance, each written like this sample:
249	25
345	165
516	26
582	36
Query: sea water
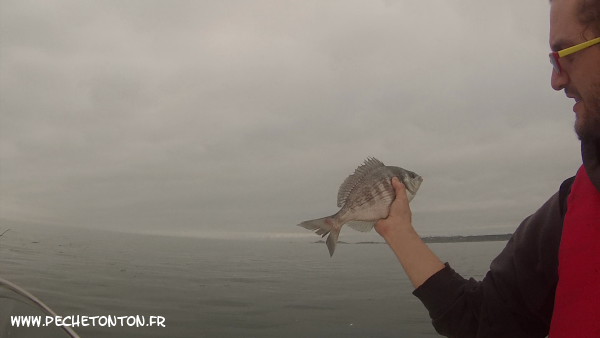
226	288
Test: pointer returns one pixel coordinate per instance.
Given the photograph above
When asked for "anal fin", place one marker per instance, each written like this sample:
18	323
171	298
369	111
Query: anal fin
361	226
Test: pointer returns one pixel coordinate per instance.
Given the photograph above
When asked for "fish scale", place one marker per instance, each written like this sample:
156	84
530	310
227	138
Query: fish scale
364	198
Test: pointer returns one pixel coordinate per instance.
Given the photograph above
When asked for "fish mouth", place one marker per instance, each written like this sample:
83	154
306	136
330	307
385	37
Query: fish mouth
414	184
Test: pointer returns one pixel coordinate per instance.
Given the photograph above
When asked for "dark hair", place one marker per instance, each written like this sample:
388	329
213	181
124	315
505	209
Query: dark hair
588	14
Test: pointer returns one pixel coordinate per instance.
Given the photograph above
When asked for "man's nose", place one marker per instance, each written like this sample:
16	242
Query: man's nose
559	81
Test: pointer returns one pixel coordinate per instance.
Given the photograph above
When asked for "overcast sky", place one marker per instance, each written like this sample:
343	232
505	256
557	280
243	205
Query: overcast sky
235	118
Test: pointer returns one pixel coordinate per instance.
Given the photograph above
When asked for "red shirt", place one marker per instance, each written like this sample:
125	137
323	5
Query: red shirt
577	303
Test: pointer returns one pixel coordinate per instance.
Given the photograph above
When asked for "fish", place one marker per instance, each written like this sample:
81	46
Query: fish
364	198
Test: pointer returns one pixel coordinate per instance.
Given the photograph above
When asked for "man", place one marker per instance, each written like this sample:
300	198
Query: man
547	279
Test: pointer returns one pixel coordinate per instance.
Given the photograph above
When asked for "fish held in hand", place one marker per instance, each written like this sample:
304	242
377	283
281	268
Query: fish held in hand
364	197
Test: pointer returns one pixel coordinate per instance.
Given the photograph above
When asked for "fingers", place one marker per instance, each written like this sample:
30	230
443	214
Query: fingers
399	217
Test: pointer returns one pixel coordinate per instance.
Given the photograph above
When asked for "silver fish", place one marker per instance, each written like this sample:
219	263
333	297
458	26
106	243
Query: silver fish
365	197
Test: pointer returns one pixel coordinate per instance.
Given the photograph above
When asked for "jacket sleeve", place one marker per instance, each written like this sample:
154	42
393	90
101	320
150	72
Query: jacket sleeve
516	297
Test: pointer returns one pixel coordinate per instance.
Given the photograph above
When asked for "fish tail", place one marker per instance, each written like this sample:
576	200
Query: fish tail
332	240
324	226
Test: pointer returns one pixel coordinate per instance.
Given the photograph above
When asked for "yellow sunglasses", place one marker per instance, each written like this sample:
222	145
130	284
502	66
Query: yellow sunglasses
554	56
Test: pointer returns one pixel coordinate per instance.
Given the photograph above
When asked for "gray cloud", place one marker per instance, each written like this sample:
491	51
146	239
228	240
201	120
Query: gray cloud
246	116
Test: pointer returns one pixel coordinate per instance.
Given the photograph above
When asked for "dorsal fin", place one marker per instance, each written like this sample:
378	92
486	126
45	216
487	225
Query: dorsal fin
351	181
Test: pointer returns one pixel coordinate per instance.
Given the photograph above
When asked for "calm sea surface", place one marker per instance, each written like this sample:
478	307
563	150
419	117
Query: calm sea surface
226	288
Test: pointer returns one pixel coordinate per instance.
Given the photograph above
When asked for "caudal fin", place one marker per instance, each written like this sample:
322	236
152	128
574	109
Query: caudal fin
332	241
324	226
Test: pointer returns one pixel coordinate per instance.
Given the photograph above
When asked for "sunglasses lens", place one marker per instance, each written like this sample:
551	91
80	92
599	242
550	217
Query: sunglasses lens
555	63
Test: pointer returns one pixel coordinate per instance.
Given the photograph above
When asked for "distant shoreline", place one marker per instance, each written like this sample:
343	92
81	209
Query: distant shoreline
447	239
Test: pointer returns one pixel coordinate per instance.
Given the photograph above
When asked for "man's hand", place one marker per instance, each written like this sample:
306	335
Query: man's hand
418	260
400	217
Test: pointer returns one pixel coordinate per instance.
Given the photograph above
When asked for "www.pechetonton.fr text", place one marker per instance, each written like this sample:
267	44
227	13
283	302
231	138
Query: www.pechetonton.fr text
76	321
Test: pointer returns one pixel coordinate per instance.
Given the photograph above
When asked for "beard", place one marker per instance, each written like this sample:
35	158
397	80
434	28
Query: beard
587	126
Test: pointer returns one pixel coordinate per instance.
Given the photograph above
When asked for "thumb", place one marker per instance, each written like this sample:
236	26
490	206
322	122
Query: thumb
399	188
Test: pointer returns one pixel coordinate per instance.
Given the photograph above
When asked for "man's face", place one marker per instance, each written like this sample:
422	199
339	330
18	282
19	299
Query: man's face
580	75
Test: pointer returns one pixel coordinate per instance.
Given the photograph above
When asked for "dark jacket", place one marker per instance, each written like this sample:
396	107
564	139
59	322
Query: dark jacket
516	297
